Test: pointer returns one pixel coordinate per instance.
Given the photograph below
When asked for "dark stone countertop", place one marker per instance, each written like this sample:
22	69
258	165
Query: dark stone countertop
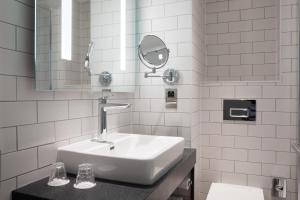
111	190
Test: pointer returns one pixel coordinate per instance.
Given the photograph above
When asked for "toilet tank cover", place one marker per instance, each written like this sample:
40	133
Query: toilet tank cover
222	191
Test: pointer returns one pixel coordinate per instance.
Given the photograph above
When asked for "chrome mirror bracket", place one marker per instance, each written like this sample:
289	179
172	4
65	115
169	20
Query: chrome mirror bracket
154	54
170	76
105	78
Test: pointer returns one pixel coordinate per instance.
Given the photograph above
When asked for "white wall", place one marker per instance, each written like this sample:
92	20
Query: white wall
181	25
253	153
198	57
242	40
172	22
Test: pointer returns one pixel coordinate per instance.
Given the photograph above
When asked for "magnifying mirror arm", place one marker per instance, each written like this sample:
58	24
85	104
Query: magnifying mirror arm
170	76
147	75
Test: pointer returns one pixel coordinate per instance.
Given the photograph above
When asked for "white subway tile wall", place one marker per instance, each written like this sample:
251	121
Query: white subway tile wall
181	24
34	124
172	21
230	152
244	39
250	153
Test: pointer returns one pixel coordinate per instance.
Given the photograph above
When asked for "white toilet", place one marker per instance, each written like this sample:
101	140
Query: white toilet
221	191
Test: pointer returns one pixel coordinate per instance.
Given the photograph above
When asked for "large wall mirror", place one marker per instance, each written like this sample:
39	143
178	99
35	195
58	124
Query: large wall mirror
85	45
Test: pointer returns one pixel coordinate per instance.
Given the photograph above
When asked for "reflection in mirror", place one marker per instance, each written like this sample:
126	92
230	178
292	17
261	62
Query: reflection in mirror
114	36
153	52
76	41
87	57
62	37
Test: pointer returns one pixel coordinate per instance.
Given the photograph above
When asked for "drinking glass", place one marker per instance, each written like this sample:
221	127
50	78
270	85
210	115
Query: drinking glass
85	177
58	175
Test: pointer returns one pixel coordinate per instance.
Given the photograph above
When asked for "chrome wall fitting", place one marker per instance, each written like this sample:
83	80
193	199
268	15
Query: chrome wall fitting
171	76
105	78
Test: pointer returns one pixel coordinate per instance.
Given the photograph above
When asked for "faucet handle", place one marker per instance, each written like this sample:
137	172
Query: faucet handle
106	93
104	97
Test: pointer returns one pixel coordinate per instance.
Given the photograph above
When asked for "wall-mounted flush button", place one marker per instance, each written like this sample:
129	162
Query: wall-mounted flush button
171	98
237	109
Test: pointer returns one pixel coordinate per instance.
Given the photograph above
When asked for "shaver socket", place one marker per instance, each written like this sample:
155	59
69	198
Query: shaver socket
171	98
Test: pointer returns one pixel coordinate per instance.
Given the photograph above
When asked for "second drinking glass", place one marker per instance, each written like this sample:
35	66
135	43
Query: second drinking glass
85	177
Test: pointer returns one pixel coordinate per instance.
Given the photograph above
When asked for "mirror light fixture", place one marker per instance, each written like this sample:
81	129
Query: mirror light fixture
66	29
123	35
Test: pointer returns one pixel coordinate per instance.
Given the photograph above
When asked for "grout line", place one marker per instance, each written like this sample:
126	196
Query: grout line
16	38
17	139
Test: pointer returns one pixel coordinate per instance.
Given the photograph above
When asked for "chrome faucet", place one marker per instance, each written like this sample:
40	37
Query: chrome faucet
103	107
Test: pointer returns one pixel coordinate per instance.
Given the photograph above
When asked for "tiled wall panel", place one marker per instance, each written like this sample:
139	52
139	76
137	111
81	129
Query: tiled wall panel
172	22
257	150
243	40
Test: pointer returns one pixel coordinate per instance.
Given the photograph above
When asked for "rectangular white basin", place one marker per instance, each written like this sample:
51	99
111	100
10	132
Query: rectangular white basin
140	159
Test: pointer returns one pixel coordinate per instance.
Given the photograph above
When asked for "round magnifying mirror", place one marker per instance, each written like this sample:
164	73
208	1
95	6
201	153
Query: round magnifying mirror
153	52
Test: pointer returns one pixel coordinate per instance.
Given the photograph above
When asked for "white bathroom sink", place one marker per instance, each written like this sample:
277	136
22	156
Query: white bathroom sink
140	159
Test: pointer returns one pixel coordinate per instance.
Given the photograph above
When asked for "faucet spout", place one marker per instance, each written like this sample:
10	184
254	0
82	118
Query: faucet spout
116	106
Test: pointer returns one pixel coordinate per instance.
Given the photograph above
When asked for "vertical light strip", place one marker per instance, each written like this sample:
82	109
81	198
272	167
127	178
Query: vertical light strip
123	36
66	29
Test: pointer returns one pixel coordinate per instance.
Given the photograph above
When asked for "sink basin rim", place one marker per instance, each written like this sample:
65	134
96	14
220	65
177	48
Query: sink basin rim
134	162
90	152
